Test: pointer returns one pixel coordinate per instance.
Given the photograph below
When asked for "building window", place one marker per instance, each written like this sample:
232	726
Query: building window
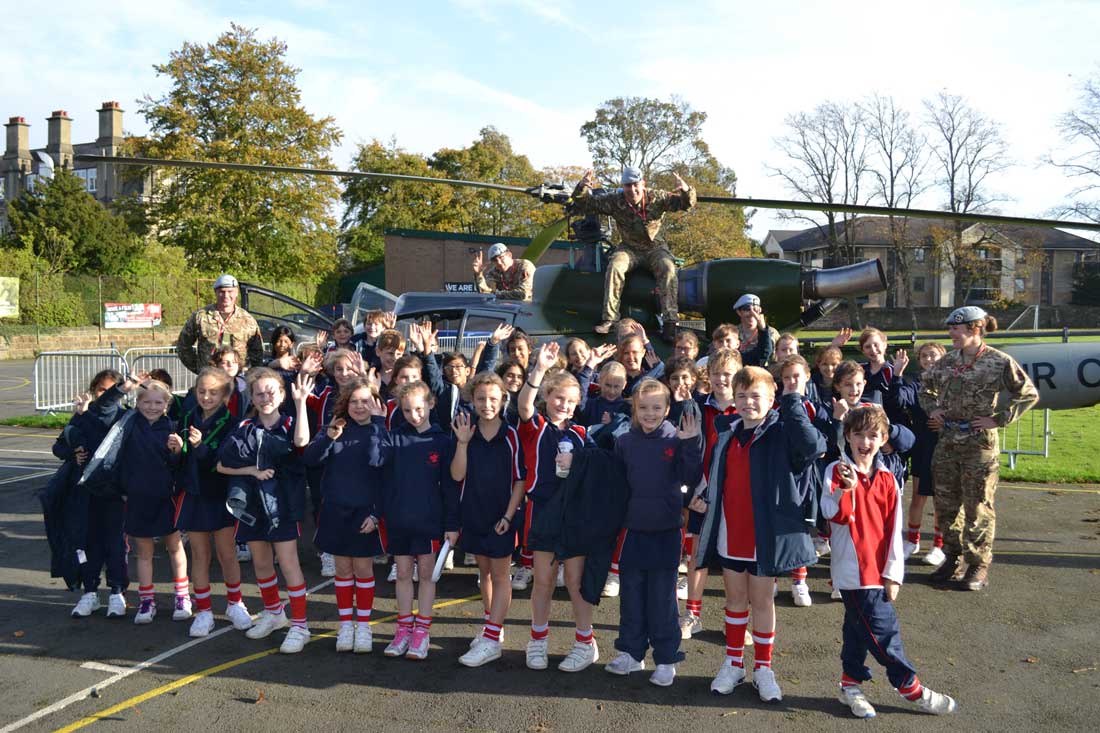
2	195
1021	285
918	285
29	181
88	175
918	254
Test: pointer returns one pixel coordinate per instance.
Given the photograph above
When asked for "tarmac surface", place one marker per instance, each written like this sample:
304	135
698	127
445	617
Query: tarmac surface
1023	655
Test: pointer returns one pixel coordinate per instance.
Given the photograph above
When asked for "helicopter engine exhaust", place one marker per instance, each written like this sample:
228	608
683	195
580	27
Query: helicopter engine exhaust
836	282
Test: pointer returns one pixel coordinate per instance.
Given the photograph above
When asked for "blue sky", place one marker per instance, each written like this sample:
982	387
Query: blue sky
432	74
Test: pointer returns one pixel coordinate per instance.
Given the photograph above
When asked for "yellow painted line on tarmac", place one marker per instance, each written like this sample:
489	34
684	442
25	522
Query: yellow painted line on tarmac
191	678
1049	488
1047	553
22	384
48	436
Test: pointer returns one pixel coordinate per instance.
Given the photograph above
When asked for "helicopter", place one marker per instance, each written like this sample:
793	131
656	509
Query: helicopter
567	298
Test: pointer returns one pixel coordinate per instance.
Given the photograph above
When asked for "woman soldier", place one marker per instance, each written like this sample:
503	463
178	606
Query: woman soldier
960	397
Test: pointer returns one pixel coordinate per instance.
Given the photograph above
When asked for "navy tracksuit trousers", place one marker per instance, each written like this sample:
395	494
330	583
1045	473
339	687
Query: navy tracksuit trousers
106	545
871	625
648	615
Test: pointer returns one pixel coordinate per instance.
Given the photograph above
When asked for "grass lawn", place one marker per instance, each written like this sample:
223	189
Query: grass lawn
57	421
1074	458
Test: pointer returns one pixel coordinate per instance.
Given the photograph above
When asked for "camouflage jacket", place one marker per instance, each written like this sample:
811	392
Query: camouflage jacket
205	331
965	390
638	226
515	283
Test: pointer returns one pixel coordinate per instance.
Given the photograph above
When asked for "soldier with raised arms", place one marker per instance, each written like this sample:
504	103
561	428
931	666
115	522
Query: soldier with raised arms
960	396
638	211
507	277
221	323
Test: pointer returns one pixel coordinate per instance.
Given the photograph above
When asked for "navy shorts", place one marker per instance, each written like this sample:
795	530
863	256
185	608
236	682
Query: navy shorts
739	566
148	516
400	543
338	532
261	532
197	513
489	545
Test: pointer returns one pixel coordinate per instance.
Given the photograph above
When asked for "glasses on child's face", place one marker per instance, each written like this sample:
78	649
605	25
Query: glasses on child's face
454	367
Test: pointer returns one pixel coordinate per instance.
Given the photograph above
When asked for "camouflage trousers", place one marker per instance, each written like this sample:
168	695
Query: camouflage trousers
966	470
658	261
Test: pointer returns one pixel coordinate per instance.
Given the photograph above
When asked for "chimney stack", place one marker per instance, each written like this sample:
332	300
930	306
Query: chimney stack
108	142
59	138
17	156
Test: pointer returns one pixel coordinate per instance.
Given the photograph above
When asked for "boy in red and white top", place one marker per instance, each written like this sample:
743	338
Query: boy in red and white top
863	505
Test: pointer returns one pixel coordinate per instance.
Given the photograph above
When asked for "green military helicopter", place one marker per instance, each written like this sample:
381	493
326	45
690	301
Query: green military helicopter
567	298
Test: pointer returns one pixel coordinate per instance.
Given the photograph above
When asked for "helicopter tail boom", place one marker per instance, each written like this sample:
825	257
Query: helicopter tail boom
859	278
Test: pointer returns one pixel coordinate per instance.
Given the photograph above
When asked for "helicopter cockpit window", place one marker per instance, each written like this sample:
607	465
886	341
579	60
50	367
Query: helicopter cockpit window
478	328
270	311
446	324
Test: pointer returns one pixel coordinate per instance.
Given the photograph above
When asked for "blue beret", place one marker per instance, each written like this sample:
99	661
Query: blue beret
966	314
631	175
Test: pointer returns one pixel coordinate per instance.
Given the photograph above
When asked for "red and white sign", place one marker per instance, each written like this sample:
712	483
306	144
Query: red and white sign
131	315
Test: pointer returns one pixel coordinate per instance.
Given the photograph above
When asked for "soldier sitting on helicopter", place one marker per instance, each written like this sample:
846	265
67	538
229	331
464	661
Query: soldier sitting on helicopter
512	279
638	213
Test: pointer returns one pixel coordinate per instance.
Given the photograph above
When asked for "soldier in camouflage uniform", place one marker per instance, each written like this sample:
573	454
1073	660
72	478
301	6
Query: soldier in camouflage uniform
960	396
221	324
508	277
638	213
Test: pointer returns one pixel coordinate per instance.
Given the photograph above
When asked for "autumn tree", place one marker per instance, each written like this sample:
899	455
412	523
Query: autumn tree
1080	160
237	100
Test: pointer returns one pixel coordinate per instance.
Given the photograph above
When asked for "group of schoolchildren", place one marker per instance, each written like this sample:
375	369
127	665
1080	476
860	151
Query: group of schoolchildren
693	465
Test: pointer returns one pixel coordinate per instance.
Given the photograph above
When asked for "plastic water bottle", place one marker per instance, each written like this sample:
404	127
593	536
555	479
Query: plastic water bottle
565	446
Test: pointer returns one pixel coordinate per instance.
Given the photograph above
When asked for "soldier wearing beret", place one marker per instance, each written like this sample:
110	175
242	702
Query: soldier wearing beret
638	212
221	324
507	277
960	396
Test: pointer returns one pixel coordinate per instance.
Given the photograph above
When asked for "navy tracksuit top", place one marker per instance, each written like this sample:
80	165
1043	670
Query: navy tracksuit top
492	468
595	407
146	465
657	464
418	496
349	480
199	475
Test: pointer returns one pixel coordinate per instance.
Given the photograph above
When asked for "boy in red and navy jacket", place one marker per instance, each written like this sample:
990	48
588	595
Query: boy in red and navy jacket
863	504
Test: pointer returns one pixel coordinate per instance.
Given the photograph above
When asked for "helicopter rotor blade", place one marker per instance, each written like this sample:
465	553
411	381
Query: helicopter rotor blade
542	241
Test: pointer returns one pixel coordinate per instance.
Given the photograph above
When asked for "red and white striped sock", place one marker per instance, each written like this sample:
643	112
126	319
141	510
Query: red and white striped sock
405	621
736	623
297	595
584	636
364	599
486	616
202	598
182	586
233	593
799	575
937	538
345	598
614	569
423	623
762	643
912	691
914	534
539	632
846	681
146	592
527	559
492	631
695	608
689	545
269	591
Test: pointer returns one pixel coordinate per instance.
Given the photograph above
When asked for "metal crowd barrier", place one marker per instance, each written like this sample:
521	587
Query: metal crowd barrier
148	358
1028	436
61	375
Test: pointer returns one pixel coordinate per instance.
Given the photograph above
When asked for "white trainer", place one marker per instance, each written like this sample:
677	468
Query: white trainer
536	654
853	697
238	614
763	679
690	625
910	548
116	605
202	625
482	652
560	582
935	703
449	563
244	554
935	557
624	664
147	611
580	657
682	588
328	565
267	624
522	578
821	546
800	594
295	640
181	611
364	639
683	567
727	679
392	577
663	675
611	587
469	559
835	595
86	606
345	637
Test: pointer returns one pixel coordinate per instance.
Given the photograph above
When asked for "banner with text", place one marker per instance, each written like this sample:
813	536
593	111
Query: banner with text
131	315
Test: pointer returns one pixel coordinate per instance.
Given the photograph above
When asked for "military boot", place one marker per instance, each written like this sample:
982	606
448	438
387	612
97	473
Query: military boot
976	577
950	571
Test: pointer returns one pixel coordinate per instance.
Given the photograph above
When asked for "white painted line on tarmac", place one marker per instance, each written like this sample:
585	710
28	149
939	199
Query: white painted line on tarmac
27	477
126	672
35	452
100	667
27	466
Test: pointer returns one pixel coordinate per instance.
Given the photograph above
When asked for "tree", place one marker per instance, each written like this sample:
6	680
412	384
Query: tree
967	150
67	230
237	100
1080	129
653	135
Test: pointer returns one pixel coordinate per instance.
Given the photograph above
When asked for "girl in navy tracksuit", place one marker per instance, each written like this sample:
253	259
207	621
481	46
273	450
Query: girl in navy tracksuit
148	458
877	372
266	492
105	540
200	509
419	505
347	525
659	460
488	464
